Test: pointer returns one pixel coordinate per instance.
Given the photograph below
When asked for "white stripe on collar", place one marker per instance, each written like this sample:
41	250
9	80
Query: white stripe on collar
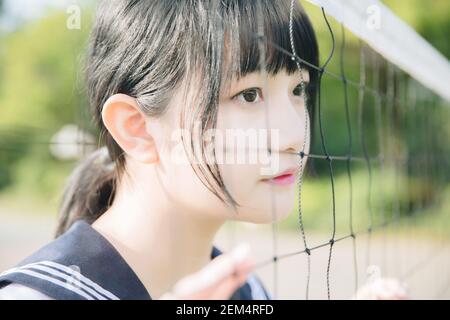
73	276
54	281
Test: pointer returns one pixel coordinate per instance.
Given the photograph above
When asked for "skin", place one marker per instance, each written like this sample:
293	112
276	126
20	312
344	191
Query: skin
163	219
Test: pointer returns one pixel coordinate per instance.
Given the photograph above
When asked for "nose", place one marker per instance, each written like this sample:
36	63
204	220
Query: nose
293	124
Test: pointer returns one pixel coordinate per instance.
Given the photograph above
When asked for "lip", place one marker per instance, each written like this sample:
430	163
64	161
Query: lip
287	177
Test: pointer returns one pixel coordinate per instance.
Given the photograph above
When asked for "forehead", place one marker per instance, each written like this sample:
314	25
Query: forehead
283	73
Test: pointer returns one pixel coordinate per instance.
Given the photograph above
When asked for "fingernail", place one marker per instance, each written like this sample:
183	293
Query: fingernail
241	252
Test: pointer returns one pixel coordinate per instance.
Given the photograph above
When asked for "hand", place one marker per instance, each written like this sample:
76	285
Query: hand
218	280
382	289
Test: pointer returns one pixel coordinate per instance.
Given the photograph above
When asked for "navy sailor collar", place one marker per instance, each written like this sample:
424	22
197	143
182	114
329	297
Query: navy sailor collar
82	264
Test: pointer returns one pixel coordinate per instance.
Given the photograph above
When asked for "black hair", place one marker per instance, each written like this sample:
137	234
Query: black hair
148	49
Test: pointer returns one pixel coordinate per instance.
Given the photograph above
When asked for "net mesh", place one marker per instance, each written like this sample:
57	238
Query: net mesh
374	198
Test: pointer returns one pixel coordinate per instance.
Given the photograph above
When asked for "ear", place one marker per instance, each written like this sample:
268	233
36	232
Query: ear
126	123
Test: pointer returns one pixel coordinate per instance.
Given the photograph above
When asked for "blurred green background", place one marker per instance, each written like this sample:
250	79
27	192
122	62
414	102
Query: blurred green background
41	90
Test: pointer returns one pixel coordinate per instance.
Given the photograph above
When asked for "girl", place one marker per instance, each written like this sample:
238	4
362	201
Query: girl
167	81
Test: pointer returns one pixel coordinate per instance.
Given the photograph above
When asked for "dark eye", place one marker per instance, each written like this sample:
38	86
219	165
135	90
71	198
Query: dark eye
299	90
250	95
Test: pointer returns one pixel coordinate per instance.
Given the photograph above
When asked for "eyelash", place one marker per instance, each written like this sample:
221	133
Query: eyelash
259	93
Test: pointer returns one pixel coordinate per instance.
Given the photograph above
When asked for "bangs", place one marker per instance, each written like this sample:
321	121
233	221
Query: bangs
244	40
221	42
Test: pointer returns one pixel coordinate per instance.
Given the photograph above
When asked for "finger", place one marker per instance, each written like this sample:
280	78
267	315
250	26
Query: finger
219	270
392	289
226	287
383	289
168	296
227	264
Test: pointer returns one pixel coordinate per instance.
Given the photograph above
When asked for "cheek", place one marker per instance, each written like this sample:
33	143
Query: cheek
259	203
184	188
241	180
189	193
237	149
266	205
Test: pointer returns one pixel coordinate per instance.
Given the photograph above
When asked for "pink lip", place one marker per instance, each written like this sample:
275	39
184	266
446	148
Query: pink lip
287	177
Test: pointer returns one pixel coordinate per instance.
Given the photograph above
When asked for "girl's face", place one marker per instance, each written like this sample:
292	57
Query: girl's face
256	113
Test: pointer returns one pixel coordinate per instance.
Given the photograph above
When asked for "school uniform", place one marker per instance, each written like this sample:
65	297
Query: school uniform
82	265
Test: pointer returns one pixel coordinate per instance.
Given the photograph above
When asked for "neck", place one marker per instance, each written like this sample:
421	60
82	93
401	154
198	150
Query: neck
160	242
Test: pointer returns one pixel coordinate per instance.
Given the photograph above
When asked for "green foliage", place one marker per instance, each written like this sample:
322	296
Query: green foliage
41	73
429	18
388	203
41	90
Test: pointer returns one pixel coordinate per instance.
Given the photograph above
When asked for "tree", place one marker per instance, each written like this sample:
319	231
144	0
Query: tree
41	91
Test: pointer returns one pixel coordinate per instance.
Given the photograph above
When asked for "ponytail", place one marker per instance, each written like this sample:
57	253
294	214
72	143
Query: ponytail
89	190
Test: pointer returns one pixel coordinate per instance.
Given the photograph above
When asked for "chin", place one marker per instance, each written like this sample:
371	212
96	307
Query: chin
265	215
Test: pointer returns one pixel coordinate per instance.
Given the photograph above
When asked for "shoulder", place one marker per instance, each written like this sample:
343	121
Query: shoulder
15	291
78	265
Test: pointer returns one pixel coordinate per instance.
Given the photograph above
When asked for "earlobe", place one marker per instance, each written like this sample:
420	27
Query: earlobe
126	123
